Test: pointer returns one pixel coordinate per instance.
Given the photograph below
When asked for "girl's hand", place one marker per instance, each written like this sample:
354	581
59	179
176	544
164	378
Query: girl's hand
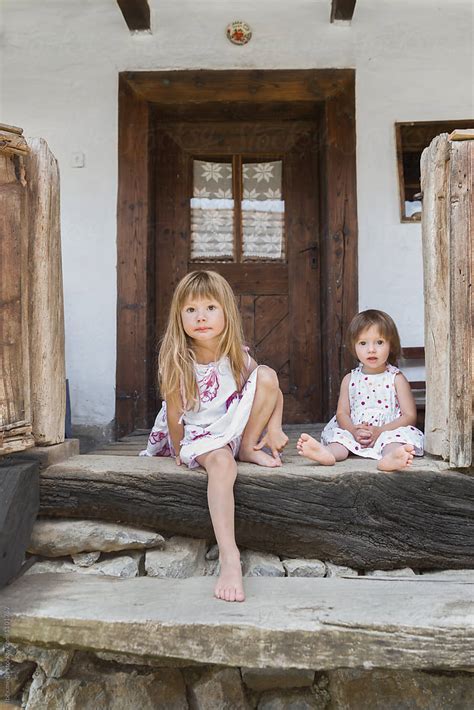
178	460
274	440
375	432
369	433
363	435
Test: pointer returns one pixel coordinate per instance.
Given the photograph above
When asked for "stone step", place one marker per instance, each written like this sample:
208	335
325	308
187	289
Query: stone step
350	513
284	623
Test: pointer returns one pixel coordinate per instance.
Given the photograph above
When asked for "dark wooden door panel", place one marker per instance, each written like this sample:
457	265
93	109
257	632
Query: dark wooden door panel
279	300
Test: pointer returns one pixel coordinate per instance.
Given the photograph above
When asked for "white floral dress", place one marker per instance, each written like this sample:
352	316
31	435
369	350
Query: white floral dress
373	399
221	419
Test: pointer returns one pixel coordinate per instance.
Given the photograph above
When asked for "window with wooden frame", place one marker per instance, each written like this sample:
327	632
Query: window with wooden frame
412	138
237	209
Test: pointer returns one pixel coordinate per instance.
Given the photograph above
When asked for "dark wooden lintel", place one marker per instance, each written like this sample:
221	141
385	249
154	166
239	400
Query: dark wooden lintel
136	13
342	9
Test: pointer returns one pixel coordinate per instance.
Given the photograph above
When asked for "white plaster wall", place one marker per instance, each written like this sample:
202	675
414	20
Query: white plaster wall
58	79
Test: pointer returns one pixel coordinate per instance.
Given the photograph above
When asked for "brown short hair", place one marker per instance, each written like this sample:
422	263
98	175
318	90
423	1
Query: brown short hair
386	326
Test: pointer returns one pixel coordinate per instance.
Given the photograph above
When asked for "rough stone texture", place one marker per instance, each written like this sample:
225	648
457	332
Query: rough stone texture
304	568
54	662
181	557
259	564
382	573
158	690
270	678
85	559
212	568
339	571
136	660
213	553
285	622
390	690
220	689
56	538
457	575
13	676
293	700
119	566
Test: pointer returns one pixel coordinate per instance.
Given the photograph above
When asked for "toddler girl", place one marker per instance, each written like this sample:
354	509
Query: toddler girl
376	412
218	405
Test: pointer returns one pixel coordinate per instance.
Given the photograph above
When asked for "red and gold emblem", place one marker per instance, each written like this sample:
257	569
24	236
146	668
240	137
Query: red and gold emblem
238	32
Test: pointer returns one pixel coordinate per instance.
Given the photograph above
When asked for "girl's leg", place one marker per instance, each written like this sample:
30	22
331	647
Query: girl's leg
325	455
221	473
266	412
396	457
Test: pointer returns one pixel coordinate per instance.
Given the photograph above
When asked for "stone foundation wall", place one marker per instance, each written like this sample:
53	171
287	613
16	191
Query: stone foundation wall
36	678
95	547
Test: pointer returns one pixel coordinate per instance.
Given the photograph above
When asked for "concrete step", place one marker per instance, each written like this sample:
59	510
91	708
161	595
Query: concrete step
285	622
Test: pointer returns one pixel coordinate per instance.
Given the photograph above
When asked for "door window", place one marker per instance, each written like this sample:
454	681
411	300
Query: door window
212	211
263	211
237	210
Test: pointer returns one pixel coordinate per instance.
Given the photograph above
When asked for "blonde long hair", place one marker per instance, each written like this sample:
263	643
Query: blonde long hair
176	376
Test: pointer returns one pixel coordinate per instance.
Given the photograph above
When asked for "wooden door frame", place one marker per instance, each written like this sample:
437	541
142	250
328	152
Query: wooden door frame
334	89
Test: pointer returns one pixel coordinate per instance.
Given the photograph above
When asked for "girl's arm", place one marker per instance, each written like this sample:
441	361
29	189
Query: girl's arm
343	412
407	406
252	364
406	402
176	430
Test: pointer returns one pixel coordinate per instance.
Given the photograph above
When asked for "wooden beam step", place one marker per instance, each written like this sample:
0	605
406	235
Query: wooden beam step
19	504
350	514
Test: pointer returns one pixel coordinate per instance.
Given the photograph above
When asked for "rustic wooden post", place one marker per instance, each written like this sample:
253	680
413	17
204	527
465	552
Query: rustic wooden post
447	172
434	184
15	410
46	312
461	222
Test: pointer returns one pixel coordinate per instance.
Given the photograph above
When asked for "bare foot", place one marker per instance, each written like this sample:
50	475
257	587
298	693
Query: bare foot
397	459
229	586
312	449
259	457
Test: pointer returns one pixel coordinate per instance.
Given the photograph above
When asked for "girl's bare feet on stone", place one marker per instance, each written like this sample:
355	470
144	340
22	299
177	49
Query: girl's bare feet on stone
397	459
229	586
259	457
312	449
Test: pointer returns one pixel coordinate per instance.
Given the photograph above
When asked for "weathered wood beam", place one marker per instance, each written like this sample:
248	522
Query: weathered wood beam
342	10
423	517
136	13
19	504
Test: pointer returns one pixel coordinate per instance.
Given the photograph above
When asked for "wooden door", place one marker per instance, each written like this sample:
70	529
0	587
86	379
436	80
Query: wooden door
274	268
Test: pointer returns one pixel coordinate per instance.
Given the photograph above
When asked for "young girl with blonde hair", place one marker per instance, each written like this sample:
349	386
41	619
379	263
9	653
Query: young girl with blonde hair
219	405
376	412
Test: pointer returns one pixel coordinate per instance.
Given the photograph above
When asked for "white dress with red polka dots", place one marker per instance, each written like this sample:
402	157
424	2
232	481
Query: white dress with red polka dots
220	420
373	399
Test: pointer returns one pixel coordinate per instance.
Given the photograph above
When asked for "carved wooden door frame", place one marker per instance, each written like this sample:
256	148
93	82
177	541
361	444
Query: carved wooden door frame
334	90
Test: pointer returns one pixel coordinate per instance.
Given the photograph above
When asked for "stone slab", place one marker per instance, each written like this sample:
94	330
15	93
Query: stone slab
285	622
49	455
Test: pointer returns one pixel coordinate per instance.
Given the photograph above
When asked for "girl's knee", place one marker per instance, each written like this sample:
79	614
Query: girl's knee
267	377
221	462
